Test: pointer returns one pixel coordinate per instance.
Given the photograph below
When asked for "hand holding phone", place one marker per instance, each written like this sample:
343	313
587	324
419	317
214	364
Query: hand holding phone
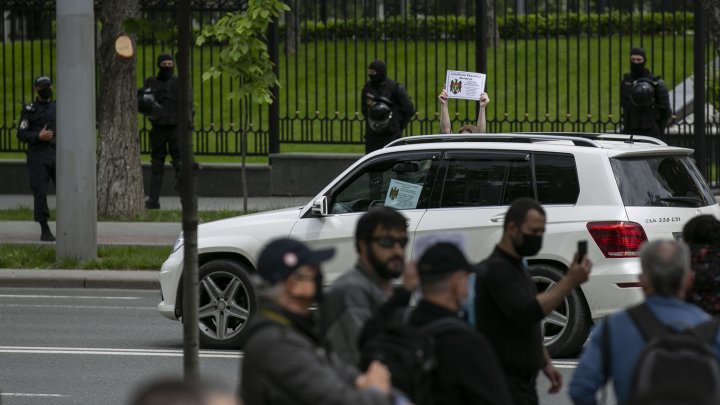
581	250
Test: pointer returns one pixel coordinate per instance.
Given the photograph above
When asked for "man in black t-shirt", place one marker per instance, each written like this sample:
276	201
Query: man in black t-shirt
508	307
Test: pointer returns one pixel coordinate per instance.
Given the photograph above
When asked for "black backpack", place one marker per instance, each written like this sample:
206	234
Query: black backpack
409	353
675	367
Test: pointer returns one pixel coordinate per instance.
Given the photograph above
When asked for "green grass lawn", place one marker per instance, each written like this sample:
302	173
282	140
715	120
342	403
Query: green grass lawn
18	256
26	214
535	81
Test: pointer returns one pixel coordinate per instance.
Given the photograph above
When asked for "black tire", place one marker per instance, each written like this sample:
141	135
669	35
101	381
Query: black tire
226	295
568	340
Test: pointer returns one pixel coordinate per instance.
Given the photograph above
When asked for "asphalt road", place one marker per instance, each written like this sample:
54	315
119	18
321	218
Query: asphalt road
86	346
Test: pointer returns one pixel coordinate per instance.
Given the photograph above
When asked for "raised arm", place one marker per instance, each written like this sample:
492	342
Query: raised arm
481	120
445	127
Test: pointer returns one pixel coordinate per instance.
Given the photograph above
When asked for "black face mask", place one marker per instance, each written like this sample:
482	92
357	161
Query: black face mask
530	245
637	69
45	93
319	288
165	73
376	79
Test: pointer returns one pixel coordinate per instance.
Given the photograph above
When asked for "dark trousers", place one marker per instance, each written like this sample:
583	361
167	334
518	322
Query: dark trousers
163	141
522	387
375	142
654	132
41	170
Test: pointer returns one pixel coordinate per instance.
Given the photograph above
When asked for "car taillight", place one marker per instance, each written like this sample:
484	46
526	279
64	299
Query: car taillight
618	238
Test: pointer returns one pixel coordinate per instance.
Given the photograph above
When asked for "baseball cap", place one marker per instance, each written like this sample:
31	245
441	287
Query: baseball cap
41	81
282	257
442	257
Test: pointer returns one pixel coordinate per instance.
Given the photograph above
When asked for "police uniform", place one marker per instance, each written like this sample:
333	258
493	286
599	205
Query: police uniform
163	135
40	154
648	120
402	107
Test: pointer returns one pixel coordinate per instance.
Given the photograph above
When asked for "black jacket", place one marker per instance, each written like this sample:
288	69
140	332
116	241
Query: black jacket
468	371
650	120
34	117
284	364
166	95
403	109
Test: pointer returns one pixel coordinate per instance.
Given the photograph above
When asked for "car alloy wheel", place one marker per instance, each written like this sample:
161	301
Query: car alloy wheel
227	302
555	323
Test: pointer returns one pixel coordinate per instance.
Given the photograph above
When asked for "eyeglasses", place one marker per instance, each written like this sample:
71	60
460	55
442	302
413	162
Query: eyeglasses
389	242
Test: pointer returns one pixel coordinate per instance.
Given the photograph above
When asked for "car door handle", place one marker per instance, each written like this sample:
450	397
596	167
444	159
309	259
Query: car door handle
497	218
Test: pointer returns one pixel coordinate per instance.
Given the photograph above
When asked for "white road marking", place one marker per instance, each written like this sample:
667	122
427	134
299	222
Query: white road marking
117	352
565	363
70	306
86	297
24	394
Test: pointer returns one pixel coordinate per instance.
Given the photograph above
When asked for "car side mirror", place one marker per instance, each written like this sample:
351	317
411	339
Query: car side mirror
320	206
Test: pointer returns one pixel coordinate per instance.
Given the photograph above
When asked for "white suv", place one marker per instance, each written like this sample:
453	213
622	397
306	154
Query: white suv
613	190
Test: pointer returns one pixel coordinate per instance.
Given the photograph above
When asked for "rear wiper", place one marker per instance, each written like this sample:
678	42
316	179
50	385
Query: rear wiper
690	201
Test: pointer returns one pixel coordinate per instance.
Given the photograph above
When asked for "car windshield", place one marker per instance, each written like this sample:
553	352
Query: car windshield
661	181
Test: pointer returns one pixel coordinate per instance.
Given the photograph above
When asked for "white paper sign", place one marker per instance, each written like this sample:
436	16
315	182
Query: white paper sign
424	242
465	85
402	195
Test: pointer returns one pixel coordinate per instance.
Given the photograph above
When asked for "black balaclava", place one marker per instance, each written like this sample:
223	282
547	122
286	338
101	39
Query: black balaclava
165	73
638	69
380	72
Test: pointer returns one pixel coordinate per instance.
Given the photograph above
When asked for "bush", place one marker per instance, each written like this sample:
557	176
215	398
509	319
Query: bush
510	26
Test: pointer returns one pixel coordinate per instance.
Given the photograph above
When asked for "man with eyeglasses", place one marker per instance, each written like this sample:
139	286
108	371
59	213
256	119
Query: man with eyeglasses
380	240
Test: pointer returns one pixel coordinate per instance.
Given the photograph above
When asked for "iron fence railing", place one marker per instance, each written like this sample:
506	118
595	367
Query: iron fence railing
552	65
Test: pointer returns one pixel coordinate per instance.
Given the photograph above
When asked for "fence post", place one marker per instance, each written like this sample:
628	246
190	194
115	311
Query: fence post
480	36
699	90
274	107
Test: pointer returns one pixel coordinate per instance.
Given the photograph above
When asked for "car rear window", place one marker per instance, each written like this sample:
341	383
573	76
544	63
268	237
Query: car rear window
661	181
556	179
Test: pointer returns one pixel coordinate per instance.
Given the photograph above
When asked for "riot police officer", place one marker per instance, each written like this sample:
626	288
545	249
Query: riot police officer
164	119
644	99
386	107
37	130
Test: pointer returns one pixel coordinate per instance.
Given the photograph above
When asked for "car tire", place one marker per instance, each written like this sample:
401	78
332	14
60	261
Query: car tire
226	298
566	329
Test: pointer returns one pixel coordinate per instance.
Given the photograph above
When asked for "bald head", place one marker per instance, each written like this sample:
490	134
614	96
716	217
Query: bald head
665	265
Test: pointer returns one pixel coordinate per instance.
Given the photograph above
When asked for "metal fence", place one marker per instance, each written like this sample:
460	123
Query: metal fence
552	65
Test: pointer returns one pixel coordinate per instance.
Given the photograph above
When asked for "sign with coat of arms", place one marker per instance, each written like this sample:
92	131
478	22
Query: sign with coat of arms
464	85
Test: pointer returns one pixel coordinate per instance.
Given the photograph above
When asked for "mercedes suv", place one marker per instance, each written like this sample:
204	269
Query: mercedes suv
614	191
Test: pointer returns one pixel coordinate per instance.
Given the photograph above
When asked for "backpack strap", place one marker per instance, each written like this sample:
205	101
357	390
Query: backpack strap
646	321
606	349
708	330
442	325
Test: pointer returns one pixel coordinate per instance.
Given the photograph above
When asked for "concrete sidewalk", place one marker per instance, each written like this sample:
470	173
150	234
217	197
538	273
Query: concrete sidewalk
118	233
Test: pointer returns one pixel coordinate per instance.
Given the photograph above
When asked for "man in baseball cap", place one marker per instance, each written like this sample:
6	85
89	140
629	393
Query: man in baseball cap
284	361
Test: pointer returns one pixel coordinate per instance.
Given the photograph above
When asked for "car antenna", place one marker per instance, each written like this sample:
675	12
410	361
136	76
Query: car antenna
631	139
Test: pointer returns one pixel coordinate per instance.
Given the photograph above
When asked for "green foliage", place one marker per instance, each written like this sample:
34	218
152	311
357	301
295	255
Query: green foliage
17	256
244	54
510	26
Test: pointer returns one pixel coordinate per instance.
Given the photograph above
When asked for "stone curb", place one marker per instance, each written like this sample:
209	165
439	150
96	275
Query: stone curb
127	279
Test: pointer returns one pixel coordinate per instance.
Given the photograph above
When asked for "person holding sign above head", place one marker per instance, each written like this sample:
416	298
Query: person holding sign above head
464	85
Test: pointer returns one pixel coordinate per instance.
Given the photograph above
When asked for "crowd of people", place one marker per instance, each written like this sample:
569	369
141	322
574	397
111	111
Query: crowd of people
367	343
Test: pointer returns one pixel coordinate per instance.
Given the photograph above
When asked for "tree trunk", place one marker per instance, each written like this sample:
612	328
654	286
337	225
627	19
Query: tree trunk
292	27
120	185
492	37
712	8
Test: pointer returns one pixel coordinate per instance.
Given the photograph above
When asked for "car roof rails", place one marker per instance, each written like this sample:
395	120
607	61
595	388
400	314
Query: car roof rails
513	137
610	137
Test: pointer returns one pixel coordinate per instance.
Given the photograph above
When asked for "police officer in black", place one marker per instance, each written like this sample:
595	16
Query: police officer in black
386	106
37	129
644	99
164	119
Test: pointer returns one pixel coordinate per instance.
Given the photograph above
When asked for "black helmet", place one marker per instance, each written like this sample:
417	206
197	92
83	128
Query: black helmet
643	93
380	114
146	102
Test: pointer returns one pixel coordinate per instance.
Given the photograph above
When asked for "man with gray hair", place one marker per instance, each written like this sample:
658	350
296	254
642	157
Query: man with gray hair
618	343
